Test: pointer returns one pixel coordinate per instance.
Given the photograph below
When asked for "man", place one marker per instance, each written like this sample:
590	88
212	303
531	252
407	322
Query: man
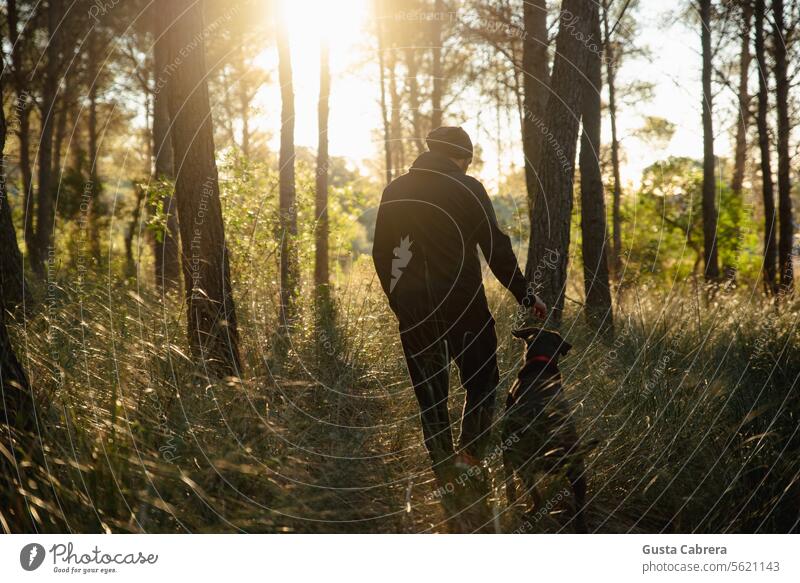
430	224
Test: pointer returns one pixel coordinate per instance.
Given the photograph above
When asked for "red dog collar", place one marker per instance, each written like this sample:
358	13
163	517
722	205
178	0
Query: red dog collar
540	358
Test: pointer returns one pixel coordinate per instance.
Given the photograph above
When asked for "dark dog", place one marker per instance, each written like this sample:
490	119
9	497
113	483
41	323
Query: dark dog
538	433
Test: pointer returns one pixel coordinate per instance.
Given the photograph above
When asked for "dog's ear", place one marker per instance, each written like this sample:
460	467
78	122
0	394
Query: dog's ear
526	334
562	347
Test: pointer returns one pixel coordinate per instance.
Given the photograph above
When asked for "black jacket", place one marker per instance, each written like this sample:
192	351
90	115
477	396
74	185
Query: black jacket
430	224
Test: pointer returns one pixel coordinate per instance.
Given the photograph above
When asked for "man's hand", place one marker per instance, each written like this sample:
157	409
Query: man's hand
539	309
532	306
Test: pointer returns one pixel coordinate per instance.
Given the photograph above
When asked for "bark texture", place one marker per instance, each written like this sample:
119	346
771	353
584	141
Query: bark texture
22	111
166	246
15	392
45	208
710	255
12	283
740	152
438	69
767	186
594	233
535	87
212	323
321	275
289	269
387	131
550	229
616	189
781	37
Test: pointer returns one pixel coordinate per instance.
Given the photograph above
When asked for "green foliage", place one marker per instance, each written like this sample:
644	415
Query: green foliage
656	131
663	226
77	191
156	192
249	193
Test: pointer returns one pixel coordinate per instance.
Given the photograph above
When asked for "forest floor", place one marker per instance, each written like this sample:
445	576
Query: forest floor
693	406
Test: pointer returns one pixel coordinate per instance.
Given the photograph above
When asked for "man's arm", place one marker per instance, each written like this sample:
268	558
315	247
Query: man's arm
497	249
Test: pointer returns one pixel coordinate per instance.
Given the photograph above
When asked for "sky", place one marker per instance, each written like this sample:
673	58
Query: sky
355	122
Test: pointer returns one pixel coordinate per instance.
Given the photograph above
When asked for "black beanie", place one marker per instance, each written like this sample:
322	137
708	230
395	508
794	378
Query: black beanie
450	141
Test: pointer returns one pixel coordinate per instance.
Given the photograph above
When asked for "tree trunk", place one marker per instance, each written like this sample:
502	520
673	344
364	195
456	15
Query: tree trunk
321	276
130	232
24	132
767	189
535	88
387	131
740	155
245	109
141	194
45	212
616	205
227	105
148	121
12	284
212	325
165	247
22	110
289	269
15	392
552	209
62	114
711	262
413	98
781	37
66	102
94	163
77	146
398	147
594	233
438	72
17	400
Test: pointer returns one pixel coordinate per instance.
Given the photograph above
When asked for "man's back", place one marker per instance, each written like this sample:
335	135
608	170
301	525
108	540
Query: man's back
429	225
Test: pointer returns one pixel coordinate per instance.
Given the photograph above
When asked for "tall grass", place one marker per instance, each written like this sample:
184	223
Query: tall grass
693	408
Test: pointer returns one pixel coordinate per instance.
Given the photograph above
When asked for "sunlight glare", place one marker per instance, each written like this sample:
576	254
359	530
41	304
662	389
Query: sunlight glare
344	24
338	22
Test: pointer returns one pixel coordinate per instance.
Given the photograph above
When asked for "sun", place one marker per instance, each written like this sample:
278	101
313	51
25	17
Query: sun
344	25
337	22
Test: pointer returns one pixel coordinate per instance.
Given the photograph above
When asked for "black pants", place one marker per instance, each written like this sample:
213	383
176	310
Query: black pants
430	343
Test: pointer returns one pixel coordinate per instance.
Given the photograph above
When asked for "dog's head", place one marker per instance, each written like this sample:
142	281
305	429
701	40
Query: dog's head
542	345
